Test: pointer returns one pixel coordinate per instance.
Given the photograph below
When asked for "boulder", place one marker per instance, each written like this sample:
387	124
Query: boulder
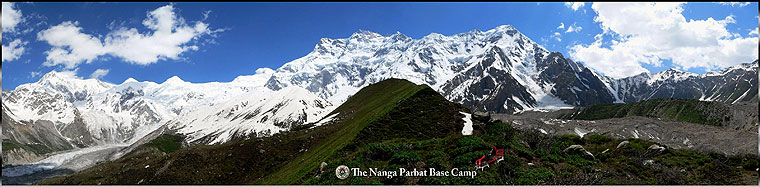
481	116
623	143
579	149
656	148
648	162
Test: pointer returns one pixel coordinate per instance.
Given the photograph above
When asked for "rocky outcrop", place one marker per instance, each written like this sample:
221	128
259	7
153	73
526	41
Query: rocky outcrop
578	149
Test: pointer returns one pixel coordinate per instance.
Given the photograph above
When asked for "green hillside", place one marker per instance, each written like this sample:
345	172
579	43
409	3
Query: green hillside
356	113
686	110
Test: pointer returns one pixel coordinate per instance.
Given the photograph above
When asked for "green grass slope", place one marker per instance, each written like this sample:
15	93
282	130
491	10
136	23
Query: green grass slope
356	113
685	110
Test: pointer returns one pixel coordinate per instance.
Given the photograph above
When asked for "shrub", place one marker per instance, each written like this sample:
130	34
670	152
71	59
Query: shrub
533	176
597	139
405	157
382	151
167	143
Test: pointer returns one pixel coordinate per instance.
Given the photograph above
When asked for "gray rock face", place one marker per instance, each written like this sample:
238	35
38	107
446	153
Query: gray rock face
34	140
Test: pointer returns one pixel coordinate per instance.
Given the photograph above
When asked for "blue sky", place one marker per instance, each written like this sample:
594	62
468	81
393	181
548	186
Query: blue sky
238	38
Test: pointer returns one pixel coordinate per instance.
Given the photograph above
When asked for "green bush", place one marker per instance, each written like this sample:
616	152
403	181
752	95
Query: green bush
167	143
533	176
405	157
577	160
569	139
597	139
382	151
468	159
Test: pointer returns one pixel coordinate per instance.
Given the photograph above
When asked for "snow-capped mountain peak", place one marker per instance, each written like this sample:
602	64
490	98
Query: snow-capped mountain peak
364	35
671	74
129	80
173	81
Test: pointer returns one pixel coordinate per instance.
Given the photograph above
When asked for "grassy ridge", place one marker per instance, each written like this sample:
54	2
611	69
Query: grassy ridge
685	110
360	110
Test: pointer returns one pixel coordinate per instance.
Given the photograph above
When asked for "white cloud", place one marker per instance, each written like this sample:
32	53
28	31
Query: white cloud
561	26
735	4
753	32
34	74
70	45
97	74
13	51
574	5
573	28
169	37
70	73
647	33
557	36
10	17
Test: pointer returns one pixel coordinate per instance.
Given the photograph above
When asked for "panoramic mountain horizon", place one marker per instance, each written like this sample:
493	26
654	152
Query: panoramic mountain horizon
467	94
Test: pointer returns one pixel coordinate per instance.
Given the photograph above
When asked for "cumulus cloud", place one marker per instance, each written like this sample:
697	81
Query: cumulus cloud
97	74
10	17
735	4
169	36
13	50
753	32
70	45
561	26
574	5
647	33
70	73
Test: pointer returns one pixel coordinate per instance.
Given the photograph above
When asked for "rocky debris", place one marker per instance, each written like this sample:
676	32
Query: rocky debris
481	116
656	148
621	144
579	149
729	139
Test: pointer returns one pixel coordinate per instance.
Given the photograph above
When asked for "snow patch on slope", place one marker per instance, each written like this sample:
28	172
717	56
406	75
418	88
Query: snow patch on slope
253	114
467	130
